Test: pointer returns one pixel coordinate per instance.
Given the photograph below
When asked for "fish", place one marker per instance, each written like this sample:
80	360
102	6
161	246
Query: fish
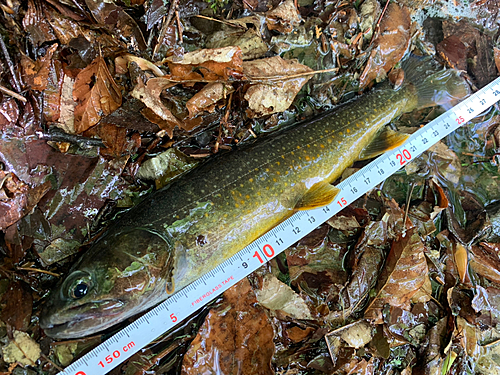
186	229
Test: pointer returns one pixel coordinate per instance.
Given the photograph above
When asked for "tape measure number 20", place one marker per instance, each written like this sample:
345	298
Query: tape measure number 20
137	335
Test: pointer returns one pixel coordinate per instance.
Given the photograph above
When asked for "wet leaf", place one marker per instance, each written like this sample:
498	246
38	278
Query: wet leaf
18	304
276	295
166	166
390	45
149	94
403	275
207	65
36	25
496	52
484	260
97	95
266	98
115	19
22	349
284	18
37	73
236	337
207	97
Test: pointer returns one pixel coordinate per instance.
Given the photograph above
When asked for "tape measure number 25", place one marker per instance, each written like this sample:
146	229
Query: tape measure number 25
137	335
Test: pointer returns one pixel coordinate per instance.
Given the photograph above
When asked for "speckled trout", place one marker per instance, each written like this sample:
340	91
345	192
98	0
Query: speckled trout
183	231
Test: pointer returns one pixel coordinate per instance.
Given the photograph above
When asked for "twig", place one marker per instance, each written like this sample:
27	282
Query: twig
58	135
165	26
221	21
13	94
408	206
17	86
179	25
38	270
377	27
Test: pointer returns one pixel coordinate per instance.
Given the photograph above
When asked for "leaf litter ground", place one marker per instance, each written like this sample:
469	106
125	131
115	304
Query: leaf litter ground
101	101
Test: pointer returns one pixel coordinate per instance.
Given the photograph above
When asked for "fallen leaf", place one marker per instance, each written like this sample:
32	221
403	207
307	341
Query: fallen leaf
390	45
496	52
276	295
117	21
266	98
149	94
37	72
207	97
402	276
97	94
207	65
284	18
18	304
35	23
484	260
357	335
236	338
454	52
22	349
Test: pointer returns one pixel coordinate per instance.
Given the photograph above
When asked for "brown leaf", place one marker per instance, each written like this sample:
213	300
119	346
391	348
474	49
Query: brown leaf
116	20
207	97
484	260
284	17
18	304
208	65
36	25
390	45
97	93
37	73
13	199
454	52
403	275
236	338
266	98
496	52
149	94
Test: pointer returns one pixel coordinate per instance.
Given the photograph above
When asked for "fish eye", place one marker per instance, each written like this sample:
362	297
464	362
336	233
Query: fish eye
77	285
80	290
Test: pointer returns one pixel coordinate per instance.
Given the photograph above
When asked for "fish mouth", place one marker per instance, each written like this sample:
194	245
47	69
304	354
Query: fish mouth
81	320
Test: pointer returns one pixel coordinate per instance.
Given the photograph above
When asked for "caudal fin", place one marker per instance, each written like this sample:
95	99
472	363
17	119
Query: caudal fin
434	87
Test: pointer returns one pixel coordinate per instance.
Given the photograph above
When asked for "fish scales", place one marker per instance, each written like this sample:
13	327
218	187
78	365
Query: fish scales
185	230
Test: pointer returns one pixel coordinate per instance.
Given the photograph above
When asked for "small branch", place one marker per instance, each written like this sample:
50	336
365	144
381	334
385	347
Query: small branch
38	270
17	86
13	94
164	28
58	135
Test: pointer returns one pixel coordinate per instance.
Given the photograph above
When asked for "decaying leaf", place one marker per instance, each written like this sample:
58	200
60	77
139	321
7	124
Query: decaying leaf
283	18
149	94
276	295
402	277
97	94
17	306
236	338
37	72
277	96
207	65
390	45
207	97
22	349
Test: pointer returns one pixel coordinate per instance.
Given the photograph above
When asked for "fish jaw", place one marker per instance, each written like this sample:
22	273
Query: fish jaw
124	274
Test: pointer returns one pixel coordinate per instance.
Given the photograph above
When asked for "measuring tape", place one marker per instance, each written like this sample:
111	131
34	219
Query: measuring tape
164	317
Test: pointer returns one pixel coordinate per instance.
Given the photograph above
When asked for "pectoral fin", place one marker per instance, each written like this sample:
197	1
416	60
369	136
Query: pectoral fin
318	195
386	140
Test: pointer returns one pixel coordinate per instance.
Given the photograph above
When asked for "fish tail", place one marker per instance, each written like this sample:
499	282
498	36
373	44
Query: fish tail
434	87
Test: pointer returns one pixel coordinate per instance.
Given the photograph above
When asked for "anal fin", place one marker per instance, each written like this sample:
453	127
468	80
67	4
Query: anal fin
319	195
385	140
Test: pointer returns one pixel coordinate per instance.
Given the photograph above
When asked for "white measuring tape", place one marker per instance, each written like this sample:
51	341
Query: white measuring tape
164	317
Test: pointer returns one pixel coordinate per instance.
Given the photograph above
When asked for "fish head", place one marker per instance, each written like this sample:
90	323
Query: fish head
121	275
